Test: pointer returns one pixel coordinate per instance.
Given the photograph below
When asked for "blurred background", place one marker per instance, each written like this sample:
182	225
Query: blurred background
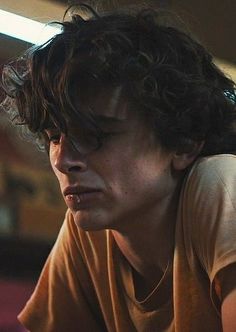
31	208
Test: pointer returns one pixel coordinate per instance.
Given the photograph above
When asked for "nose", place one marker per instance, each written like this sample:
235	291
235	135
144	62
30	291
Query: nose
66	159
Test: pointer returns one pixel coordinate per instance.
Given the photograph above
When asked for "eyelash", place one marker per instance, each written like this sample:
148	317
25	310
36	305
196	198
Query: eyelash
106	135
55	137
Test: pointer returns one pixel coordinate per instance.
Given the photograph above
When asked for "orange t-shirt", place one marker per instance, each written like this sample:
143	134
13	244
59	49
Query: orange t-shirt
86	284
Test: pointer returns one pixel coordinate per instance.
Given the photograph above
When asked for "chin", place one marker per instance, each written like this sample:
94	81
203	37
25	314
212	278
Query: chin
88	221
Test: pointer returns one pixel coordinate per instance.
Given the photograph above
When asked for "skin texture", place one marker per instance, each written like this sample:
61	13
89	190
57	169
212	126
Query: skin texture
132	172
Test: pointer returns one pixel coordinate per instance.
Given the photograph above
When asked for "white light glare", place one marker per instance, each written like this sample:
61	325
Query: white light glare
25	29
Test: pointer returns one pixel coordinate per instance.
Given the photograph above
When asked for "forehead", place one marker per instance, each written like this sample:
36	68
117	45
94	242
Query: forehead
105	103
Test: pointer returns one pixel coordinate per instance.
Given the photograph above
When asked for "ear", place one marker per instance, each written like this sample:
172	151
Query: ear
181	160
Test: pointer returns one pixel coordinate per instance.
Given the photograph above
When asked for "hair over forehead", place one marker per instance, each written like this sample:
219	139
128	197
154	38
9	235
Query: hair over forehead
166	75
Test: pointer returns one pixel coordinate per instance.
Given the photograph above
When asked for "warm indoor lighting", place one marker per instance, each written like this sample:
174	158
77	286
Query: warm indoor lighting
25	29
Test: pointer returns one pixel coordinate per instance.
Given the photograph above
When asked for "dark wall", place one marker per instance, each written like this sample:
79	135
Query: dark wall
214	22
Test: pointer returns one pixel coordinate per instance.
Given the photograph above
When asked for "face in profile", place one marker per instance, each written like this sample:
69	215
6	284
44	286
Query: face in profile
117	182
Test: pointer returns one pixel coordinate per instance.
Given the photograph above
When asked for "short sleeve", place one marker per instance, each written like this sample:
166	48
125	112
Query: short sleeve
64	299
210	203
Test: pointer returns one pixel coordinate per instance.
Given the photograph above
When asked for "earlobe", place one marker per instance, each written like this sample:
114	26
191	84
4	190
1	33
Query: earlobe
181	160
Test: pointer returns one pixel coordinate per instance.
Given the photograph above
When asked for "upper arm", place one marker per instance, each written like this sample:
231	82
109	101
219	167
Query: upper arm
226	279
211	199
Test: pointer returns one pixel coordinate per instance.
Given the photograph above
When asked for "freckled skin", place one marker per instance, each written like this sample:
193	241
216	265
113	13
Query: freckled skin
132	171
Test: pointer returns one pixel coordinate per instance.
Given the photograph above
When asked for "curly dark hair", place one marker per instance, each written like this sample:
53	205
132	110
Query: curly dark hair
165	75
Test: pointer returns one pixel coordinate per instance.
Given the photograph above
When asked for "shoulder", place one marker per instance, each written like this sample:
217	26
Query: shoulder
208	199
221	163
217	171
208	212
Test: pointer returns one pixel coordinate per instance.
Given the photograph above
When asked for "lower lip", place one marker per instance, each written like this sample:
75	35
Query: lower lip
83	200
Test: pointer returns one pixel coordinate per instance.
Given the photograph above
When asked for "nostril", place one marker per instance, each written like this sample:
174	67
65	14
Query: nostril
75	168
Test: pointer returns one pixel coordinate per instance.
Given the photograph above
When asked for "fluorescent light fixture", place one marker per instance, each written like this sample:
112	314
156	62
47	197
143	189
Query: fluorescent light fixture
25	29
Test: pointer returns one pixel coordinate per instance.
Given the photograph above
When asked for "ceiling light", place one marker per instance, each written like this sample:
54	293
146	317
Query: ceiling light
25	29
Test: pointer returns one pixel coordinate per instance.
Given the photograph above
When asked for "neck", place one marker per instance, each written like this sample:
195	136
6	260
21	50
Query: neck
149	241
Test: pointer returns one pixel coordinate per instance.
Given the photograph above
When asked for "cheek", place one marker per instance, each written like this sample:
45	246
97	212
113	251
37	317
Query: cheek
52	163
54	169
51	159
146	178
129	176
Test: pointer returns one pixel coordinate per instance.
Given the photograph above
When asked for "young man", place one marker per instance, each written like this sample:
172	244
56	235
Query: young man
140	127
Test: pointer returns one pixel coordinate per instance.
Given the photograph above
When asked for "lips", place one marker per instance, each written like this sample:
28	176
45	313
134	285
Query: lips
79	190
80	197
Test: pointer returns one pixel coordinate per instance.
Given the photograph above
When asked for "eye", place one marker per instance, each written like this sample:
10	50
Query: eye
107	135
104	138
53	136
55	139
